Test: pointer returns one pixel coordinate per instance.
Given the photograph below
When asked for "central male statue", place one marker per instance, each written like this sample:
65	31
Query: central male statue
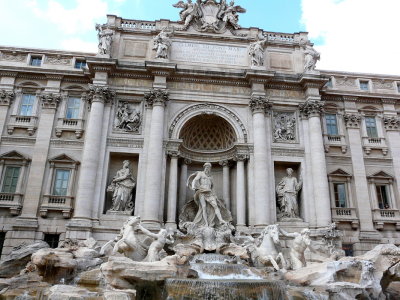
205	209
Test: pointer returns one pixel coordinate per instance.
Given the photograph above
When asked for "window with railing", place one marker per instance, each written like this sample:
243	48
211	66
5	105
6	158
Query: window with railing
339	190
10	179
331	124
383	196
61	182
27	103
370	124
73	108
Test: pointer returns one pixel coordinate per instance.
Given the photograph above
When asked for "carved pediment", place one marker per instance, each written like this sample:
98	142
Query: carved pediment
13	155
63	158
380	175
340	172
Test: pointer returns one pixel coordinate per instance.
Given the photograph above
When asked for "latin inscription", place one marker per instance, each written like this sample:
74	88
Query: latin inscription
209	54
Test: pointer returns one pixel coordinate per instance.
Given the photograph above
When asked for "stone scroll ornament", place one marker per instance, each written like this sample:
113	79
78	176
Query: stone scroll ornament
284	127
209	15
127	118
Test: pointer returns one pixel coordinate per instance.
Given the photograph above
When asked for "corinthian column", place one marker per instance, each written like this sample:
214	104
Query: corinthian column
6	98
312	110
152	200
240	191
259	106
392	126
226	183
172	189
98	97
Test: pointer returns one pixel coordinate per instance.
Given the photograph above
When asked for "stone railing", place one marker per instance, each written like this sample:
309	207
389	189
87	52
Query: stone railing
24	122
386	216
345	215
141	25
335	141
281	37
371	143
12	202
61	204
72	125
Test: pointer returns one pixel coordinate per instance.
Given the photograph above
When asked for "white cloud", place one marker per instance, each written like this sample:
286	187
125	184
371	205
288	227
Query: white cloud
76	44
79	19
358	35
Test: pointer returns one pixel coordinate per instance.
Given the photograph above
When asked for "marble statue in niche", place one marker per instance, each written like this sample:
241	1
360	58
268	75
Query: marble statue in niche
162	43
122	186
284	127
127	118
287	190
312	56
256	53
105	36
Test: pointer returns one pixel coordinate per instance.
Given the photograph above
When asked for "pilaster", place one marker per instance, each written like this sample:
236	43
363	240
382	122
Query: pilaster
6	99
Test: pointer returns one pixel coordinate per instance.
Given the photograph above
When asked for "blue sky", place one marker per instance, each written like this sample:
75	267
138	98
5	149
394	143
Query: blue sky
352	35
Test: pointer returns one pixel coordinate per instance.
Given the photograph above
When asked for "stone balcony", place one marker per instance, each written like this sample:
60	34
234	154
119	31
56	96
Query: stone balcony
338	141
71	125
386	216
22	122
345	215
377	143
61	204
13	202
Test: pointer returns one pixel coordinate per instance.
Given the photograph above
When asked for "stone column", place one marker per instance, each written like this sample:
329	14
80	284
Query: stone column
98	96
226	183
353	122
259	106
240	191
6	98
182	182
172	190
32	199
312	109
158	99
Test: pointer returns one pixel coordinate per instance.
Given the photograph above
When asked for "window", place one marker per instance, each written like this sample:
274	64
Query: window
329	83
73	106
10	180
364	85
26	107
348	249
60	187
2	239
370	124
36	61
340	194
382	194
80	64
52	240
398	87
331	124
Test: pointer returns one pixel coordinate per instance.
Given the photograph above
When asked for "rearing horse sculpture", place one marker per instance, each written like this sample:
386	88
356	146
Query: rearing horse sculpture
267	252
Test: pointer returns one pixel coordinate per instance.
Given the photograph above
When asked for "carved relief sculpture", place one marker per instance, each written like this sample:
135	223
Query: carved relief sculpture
162	43
256	53
105	36
189	11
284	127
127	119
287	190
312	56
122	186
230	13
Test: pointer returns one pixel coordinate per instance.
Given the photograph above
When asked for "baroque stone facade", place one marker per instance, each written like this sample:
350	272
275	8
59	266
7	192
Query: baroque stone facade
163	98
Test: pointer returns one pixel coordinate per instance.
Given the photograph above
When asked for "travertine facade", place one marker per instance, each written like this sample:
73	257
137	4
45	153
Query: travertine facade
168	97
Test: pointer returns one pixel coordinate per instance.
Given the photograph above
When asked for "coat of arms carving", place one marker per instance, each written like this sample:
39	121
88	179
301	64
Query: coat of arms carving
210	15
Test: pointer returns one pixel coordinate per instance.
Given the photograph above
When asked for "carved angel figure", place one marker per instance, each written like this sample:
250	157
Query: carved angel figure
256	53
230	14
311	58
162	43
105	39
189	11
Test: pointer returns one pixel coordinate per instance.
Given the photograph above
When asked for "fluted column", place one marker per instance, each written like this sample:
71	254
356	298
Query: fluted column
312	109
240	191
32	199
182	182
392	126
158	99
98	97
6	98
172	189
226	183
259	106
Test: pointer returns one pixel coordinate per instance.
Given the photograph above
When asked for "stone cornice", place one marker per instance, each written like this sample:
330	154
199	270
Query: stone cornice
311	108
160	68
156	97
50	100
259	104
352	120
6	97
99	93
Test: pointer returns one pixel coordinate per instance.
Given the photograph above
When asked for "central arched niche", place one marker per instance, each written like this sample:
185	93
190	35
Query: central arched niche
208	133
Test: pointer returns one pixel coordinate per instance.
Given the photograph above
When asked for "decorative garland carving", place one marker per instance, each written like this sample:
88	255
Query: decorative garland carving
6	97
391	123
352	120
50	101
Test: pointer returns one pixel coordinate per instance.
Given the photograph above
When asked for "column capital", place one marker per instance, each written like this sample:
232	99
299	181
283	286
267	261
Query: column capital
156	97
391	123
311	108
100	93
187	161
50	100
352	120
224	163
241	157
173	153
259	104
6	97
